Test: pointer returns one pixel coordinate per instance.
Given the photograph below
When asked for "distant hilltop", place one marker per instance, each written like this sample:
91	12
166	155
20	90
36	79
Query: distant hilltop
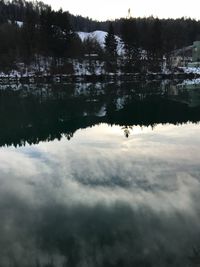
36	40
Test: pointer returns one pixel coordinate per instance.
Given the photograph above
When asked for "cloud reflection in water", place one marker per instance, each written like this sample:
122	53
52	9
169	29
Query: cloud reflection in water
101	199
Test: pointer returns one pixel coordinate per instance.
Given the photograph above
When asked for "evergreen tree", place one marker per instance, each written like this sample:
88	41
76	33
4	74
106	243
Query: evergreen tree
29	32
156	45
156	39
51	34
111	43
130	37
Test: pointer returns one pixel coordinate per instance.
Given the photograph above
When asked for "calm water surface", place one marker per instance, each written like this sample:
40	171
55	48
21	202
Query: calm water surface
100	175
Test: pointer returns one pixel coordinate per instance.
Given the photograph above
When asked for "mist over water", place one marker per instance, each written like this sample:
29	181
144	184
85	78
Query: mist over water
100	175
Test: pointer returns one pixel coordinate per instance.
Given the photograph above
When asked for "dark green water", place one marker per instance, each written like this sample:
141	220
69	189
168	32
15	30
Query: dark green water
100	175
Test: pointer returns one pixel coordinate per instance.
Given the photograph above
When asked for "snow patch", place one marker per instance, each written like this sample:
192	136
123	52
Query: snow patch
99	36
19	23
191	82
191	70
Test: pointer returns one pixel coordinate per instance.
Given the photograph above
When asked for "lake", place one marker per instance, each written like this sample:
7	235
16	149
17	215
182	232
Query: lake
104	175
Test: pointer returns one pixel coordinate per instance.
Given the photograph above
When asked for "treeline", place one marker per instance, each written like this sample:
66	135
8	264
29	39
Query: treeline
33	32
29	30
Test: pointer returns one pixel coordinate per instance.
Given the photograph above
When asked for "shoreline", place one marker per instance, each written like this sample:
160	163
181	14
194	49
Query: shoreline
110	77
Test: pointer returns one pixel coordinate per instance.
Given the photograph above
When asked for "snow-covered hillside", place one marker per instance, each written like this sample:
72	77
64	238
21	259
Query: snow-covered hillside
100	37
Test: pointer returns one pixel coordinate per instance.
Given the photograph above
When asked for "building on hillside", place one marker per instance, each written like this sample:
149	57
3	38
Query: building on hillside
186	57
181	57
196	52
195	55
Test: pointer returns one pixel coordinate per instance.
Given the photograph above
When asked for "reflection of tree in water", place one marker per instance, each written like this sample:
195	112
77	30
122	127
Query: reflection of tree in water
127	130
69	136
44	114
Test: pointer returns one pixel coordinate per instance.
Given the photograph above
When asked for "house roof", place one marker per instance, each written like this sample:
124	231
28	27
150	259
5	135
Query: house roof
182	51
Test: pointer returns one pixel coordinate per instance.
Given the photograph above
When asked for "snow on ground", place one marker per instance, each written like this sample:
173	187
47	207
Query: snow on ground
100	37
88	67
11	74
191	70
19	23
97	35
191	82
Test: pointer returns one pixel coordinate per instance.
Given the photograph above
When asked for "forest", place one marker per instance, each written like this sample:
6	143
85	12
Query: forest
32	32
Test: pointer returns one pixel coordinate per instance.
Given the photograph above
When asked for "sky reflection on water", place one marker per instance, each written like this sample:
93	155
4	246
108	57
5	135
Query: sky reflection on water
75	191
101	199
